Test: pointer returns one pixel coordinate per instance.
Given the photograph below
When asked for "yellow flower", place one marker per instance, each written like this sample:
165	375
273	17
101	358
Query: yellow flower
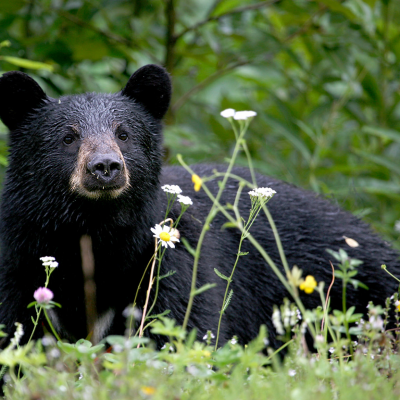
309	284
197	182
149	390
397	304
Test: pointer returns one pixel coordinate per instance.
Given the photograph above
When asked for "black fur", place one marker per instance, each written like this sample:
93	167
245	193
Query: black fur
40	216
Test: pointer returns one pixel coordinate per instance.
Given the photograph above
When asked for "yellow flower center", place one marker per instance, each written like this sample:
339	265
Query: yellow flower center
309	284
165	236
197	182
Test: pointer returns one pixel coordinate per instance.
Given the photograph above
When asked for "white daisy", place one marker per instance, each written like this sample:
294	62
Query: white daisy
166	235
174	189
239	115
185	200
265	193
228	113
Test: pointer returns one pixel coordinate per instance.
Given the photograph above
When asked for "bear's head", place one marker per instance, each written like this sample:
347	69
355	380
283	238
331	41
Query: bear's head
96	146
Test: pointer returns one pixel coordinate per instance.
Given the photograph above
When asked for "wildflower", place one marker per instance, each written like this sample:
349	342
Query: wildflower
233	340
166	235
228	113
47	259
19	332
397	304
262	193
276	320
185	200
197	182
208	334
148	390
292	372
243	115
309	284
49	262
376	322
43	295
174	189
319	339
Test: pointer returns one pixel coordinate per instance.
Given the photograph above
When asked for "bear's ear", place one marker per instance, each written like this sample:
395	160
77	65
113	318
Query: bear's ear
19	95
151	87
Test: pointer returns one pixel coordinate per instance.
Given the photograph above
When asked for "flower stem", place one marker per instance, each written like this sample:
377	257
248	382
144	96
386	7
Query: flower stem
206	226
51	325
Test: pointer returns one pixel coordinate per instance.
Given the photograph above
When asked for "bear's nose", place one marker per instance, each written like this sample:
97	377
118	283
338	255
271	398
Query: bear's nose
105	166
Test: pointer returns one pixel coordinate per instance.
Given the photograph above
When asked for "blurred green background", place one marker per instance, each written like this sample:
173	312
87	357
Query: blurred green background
322	75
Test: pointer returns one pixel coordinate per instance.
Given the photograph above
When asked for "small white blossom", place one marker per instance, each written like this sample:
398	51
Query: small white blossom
292	372
174	189
331	350
49	262
242	115
397	226
47	259
319	339
54	353
264	193
276	320
166	235
185	200
233	340
19	332
376	322
205	337
228	113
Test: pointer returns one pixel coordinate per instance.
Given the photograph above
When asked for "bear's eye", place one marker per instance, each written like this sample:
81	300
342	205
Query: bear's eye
123	136
69	139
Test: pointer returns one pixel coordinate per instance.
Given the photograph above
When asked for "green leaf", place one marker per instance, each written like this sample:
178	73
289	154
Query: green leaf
380	160
382	132
205	287
222	276
188	247
227	301
335	5
228	225
243	253
21	62
169	273
156	316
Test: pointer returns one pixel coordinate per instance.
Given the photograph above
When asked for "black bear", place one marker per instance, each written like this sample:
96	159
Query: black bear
91	164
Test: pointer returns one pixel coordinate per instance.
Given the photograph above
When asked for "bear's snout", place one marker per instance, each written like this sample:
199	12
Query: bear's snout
106	167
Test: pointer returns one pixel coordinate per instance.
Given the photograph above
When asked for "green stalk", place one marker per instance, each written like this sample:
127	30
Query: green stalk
51	325
209	218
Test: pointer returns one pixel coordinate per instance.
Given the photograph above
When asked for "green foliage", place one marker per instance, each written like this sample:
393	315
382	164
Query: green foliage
192	370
